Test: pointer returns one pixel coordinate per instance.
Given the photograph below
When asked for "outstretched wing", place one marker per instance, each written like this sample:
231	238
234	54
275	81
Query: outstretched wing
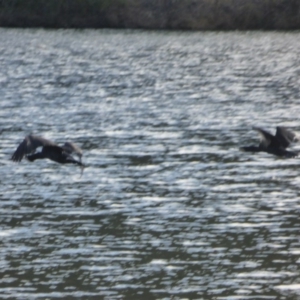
267	139
72	148
285	136
29	145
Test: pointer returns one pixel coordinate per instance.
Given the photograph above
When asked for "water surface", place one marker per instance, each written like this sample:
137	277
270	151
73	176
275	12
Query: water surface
168	207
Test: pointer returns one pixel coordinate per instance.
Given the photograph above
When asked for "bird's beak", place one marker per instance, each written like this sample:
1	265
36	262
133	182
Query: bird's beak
82	169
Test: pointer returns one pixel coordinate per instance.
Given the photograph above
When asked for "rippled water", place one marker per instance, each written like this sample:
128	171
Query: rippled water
168	207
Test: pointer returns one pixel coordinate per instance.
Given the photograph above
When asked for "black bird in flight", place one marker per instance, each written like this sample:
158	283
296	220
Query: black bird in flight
274	144
49	150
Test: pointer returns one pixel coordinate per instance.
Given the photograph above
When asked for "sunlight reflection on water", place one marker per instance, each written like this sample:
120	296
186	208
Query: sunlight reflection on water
168	207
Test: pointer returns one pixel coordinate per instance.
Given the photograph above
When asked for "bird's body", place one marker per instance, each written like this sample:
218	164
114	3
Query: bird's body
54	153
274	144
49	150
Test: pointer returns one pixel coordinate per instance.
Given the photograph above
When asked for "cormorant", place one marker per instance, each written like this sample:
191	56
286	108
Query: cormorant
274	144
49	150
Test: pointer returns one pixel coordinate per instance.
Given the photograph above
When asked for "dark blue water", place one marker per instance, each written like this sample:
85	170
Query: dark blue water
168	207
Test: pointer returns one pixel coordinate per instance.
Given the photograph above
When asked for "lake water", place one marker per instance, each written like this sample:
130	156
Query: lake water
167	207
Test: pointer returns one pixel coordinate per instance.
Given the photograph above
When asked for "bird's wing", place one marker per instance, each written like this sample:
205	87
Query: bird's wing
285	136
72	148
29	145
267	139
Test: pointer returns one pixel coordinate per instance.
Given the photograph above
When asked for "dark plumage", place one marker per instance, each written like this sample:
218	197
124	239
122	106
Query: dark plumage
49	150
274	144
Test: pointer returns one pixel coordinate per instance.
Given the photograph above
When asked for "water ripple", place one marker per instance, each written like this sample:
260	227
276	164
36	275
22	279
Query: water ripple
168	207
